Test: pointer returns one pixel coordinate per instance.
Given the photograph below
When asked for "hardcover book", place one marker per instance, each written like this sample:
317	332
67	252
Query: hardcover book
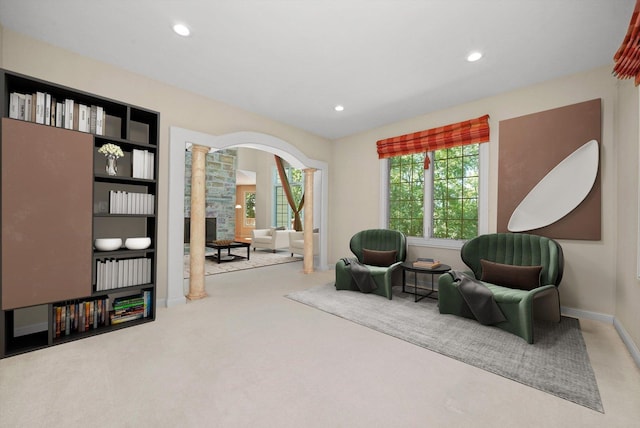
426	263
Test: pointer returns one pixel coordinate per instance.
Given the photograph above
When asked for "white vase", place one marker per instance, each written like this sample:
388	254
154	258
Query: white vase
112	165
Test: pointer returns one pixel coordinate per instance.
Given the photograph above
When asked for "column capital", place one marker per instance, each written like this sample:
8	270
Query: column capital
200	149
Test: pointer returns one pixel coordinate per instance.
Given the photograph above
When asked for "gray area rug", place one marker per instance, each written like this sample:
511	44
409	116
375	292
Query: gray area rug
557	363
259	258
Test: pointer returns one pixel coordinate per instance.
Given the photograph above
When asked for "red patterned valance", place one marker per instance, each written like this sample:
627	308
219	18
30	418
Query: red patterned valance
627	57
444	137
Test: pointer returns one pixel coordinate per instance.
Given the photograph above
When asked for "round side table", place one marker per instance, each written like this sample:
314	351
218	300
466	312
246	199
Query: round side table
408	267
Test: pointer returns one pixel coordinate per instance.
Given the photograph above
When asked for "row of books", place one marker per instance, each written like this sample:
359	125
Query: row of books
80	316
121	202
142	162
118	273
426	263
41	107
131	308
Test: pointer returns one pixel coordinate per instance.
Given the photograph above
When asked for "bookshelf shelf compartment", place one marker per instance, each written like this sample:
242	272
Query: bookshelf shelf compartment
78	130
100	330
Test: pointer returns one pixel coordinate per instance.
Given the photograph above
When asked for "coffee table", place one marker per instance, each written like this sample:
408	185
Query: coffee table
408	267
229	257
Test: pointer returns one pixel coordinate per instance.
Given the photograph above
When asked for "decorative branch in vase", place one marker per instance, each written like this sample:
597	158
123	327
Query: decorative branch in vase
112	152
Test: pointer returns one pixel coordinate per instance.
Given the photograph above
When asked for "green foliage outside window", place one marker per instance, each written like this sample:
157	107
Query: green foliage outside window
455	193
250	204
406	194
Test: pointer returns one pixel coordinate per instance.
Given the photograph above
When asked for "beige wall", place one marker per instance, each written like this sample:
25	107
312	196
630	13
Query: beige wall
589	282
177	108
627	290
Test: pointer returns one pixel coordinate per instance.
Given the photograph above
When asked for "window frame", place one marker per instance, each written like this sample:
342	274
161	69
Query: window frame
483	203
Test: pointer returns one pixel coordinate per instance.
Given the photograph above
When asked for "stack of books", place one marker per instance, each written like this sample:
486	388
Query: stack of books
142	164
131	308
426	263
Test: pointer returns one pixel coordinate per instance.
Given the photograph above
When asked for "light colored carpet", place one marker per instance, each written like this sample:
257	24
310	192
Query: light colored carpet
258	258
248	357
556	363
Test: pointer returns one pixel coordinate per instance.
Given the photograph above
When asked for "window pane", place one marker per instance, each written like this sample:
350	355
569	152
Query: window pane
455	193
406	194
471	150
470	187
470	209
454	167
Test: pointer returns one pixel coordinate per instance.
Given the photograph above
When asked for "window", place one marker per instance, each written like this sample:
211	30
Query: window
441	204
283	213
250	209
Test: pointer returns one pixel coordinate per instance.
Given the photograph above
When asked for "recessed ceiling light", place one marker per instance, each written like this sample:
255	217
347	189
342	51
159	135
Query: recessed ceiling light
182	30
338	108
474	56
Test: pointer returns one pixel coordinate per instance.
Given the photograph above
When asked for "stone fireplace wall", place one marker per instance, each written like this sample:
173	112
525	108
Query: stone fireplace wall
220	198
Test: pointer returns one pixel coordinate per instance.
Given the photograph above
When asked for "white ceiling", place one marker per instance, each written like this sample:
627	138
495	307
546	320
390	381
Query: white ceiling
293	61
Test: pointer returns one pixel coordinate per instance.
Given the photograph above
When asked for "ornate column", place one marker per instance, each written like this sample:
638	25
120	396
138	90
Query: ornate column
198	228
307	264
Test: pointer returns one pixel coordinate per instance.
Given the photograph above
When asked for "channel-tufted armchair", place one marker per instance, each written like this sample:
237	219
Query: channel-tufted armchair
522	271
374	241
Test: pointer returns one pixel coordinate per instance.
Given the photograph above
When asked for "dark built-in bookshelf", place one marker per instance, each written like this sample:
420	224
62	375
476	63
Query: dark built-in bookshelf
57	198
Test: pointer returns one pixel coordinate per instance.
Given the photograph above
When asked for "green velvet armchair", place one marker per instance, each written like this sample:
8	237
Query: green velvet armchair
377	240
519	305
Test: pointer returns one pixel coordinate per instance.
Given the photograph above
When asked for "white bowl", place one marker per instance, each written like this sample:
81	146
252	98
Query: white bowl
108	244
137	243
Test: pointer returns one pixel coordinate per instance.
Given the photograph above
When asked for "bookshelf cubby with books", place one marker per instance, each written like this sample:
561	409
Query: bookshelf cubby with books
52	277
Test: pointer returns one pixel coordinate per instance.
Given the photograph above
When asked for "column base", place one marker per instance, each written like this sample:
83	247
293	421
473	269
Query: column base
196	296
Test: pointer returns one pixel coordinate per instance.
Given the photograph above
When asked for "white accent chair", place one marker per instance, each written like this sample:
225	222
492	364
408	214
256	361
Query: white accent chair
296	243
270	239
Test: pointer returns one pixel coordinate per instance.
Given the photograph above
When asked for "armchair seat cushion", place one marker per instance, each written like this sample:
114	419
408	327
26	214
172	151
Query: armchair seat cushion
263	239
506	294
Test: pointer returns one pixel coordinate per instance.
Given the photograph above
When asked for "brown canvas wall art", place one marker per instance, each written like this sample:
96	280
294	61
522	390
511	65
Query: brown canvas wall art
531	146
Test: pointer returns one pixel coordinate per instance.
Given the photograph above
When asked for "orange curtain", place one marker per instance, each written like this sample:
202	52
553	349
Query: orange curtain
444	137
627	58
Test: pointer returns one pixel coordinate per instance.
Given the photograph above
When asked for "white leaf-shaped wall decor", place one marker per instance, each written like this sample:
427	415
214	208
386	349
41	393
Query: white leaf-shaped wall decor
559	192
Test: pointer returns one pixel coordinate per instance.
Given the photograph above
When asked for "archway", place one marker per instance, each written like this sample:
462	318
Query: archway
179	138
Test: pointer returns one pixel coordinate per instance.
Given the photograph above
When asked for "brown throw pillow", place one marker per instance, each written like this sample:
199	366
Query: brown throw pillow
378	258
521	277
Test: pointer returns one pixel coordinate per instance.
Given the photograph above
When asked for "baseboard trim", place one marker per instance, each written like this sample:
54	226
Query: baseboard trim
628	341
581	313
30	329
607	319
